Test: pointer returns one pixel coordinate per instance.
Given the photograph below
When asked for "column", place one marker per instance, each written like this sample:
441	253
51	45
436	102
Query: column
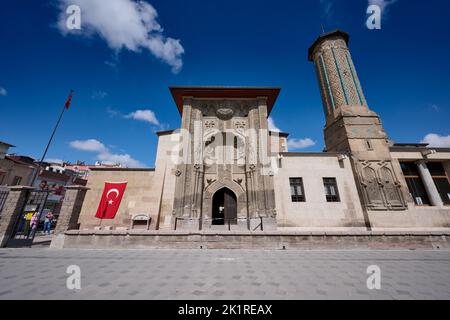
428	182
71	208
69	214
12	210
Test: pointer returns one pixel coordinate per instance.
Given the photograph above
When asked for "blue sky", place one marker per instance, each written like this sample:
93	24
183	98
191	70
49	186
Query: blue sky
120	64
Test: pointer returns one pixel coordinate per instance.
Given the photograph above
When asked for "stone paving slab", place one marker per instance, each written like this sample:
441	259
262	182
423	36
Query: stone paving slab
223	274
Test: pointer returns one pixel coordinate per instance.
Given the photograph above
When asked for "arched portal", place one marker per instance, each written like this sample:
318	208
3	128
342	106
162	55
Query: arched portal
224	208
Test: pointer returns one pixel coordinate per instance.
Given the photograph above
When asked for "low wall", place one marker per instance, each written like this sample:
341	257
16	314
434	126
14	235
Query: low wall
253	240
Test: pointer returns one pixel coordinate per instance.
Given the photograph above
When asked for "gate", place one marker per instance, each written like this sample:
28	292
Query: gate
3	195
38	202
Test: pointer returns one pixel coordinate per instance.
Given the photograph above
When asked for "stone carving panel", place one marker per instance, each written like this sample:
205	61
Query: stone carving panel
381	189
225	109
391	187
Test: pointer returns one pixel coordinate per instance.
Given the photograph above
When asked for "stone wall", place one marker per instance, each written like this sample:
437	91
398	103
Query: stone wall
258	240
164	179
137	199
316	212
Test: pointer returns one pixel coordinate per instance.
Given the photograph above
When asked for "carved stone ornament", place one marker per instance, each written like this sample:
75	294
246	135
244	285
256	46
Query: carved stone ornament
178	173
225	113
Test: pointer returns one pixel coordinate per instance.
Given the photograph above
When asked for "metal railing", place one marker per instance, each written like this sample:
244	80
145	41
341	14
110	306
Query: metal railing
34	203
3	196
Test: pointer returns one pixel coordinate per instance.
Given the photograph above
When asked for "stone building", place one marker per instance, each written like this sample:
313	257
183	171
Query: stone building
225	170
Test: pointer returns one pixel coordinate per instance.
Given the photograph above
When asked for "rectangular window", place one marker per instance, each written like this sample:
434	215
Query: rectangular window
331	190
17	181
415	184
297	190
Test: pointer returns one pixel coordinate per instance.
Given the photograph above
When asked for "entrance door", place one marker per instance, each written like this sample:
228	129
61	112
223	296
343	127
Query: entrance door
224	207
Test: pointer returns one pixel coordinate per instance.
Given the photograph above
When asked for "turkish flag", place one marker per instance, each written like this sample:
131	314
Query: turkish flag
110	201
69	99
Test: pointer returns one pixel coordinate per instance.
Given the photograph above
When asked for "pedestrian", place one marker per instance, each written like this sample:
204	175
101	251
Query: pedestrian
27	218
48	222
34	224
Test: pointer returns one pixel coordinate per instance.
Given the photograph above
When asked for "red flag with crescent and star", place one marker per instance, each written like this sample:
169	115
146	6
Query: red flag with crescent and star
110	201
69	100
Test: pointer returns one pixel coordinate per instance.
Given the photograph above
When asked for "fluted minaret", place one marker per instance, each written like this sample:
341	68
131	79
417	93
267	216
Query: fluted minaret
338	80
351	127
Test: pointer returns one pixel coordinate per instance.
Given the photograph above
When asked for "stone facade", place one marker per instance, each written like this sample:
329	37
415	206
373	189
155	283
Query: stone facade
316	212
223	170
223	140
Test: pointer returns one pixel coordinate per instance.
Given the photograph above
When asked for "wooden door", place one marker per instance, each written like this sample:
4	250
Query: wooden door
230	205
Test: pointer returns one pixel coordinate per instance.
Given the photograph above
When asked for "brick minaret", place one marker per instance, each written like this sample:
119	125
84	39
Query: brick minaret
351	127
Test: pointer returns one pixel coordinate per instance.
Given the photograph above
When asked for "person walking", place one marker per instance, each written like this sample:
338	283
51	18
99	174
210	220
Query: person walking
27	219
34	224
48	223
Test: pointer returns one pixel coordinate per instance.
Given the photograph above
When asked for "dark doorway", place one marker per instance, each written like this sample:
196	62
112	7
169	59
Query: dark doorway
224	207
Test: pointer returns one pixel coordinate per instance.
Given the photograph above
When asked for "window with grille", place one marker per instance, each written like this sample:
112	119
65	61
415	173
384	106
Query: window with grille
331	190
17	180
297	190
414	182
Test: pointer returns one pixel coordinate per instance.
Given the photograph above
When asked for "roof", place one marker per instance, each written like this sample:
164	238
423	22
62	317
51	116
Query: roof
165	132
20	160
415	147
311	154
271	93
279	133
335	33
6	144
123	169
49	175
418	145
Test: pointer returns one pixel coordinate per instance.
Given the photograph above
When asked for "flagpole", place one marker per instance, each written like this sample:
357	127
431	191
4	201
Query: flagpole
35	175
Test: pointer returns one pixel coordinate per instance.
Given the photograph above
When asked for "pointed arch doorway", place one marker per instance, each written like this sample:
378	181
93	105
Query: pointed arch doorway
224	208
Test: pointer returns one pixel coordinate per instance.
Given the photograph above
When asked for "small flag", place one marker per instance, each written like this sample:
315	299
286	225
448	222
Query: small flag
69	100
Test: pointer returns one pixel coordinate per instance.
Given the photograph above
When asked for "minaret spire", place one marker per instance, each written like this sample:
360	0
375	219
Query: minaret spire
351	127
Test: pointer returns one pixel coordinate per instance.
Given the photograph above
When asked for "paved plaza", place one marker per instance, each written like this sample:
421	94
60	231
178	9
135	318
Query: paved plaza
40	273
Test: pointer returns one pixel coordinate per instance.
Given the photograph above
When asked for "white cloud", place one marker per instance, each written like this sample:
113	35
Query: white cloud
437	141
300	143
104	154
383	4
124	159
292	143
144	115
326	5
3	91
128	24
435	107
272	125
112	112
56	161
99	94
90	145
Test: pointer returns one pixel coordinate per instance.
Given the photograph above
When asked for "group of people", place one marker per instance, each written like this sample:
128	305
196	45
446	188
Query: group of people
32	222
